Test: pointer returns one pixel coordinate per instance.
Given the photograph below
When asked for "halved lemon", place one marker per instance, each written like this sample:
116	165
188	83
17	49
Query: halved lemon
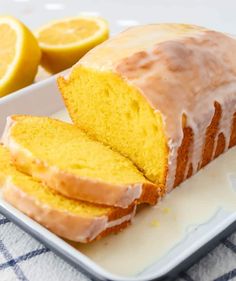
64	42
19	55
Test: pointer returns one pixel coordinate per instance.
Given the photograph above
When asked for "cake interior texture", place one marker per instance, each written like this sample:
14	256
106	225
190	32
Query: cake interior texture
44	194
68	148
123	120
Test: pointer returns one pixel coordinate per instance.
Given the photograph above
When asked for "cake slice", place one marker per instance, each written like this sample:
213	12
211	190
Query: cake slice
162	95
71	219
67	160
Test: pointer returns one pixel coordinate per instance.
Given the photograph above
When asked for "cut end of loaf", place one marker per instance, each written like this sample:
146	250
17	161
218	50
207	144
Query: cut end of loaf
110	110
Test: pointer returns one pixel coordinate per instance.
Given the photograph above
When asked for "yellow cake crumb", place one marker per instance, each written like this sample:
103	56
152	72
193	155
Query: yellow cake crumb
155	223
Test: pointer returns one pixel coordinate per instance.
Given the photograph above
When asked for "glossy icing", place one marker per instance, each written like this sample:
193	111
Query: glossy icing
179	69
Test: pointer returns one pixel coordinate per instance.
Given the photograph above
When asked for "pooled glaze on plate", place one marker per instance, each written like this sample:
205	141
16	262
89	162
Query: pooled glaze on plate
156	230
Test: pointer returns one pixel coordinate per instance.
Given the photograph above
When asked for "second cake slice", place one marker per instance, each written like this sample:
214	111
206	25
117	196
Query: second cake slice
66	159
71	219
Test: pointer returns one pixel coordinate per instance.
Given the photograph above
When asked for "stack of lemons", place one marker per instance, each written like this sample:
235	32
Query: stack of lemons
56	46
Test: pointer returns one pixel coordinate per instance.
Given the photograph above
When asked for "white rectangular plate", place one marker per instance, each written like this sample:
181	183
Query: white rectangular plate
43	98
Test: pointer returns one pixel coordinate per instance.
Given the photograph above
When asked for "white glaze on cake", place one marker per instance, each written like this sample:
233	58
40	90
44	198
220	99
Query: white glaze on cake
179	69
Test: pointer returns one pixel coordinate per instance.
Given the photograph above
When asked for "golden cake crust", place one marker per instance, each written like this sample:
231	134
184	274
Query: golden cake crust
213	146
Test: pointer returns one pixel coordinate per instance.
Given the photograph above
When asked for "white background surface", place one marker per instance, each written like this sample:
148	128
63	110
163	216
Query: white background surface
217	14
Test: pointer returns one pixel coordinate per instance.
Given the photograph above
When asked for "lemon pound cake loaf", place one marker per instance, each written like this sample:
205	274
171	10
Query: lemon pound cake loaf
163	95
68	218
66	159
